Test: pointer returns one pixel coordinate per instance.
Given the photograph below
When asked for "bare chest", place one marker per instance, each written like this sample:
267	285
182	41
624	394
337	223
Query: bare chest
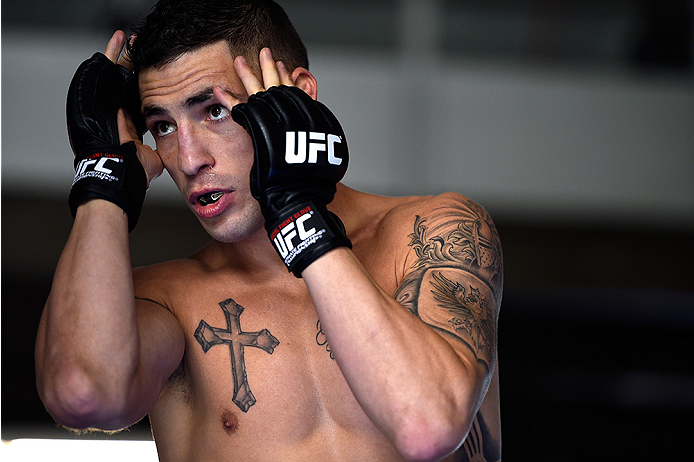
257	373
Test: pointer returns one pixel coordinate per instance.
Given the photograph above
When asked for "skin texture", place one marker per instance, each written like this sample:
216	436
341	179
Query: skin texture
383	352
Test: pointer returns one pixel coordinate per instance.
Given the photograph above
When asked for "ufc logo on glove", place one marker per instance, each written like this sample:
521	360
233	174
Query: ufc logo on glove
296	152
297	233
95	167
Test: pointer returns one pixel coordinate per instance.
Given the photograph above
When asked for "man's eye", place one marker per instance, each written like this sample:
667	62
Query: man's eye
163	128
218	112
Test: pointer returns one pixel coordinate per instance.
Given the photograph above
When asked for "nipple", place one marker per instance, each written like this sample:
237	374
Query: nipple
229	422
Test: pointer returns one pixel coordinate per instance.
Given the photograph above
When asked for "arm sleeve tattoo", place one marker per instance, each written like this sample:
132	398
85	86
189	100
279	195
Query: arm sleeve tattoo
454	285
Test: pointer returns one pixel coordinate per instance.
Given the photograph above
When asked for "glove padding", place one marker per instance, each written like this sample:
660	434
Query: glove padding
300	155
104	168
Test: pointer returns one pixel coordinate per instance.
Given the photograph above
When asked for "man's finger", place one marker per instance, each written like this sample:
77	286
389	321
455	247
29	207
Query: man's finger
115	45
149	158
249	80
285	76
125	58
268	68
126	128
224	98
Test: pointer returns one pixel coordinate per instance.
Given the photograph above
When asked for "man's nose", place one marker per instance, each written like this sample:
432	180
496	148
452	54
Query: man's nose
193	155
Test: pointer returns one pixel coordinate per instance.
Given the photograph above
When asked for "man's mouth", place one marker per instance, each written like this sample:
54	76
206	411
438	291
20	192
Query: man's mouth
210	198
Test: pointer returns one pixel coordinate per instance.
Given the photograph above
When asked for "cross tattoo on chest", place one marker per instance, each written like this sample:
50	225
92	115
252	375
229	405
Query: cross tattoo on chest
237	340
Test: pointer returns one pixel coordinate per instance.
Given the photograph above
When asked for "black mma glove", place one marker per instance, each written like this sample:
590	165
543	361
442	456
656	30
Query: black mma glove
104	168
300	155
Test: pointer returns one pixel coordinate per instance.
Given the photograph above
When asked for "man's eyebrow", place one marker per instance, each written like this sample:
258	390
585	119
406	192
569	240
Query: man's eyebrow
151	110
207	94
201	97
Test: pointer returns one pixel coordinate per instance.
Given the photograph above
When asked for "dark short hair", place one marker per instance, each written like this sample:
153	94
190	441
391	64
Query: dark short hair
175	27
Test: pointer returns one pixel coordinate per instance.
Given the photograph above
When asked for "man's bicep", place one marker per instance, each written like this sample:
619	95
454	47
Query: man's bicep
453	282
462	308
162	342
459	306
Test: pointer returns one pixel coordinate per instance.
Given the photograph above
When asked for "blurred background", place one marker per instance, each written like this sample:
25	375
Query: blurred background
571	121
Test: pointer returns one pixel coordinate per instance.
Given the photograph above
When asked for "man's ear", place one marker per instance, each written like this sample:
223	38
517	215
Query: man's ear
303	79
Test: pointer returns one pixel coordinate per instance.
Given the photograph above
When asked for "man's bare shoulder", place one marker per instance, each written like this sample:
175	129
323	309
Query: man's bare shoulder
160	281
383	215
448	203
382	228
451	229
167	271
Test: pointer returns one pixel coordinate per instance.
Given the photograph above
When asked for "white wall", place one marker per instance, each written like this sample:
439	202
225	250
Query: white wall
528	142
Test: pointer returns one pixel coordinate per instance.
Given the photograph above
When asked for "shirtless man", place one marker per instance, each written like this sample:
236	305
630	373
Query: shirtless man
378	346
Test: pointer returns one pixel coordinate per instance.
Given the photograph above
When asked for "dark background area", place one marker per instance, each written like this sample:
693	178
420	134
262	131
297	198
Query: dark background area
597	320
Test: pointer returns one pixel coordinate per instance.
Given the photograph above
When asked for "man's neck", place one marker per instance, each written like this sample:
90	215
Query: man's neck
253	254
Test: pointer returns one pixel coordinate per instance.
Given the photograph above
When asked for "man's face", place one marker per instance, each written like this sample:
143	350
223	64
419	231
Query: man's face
207	154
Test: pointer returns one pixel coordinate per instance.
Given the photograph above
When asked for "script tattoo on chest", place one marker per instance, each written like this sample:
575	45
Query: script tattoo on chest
321	340
237	340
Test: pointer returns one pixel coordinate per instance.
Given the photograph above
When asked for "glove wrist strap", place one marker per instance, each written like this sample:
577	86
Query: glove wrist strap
113	173
300	233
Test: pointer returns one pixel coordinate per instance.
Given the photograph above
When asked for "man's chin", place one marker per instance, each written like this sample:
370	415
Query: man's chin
228	231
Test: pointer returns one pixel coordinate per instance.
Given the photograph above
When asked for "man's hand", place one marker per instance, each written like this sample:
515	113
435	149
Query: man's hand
128	130
105	130
300	155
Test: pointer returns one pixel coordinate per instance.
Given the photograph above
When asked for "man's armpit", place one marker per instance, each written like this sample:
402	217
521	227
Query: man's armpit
458	303
153	301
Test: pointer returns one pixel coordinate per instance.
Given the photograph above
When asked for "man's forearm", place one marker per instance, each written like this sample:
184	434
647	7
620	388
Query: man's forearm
407	378
88	341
